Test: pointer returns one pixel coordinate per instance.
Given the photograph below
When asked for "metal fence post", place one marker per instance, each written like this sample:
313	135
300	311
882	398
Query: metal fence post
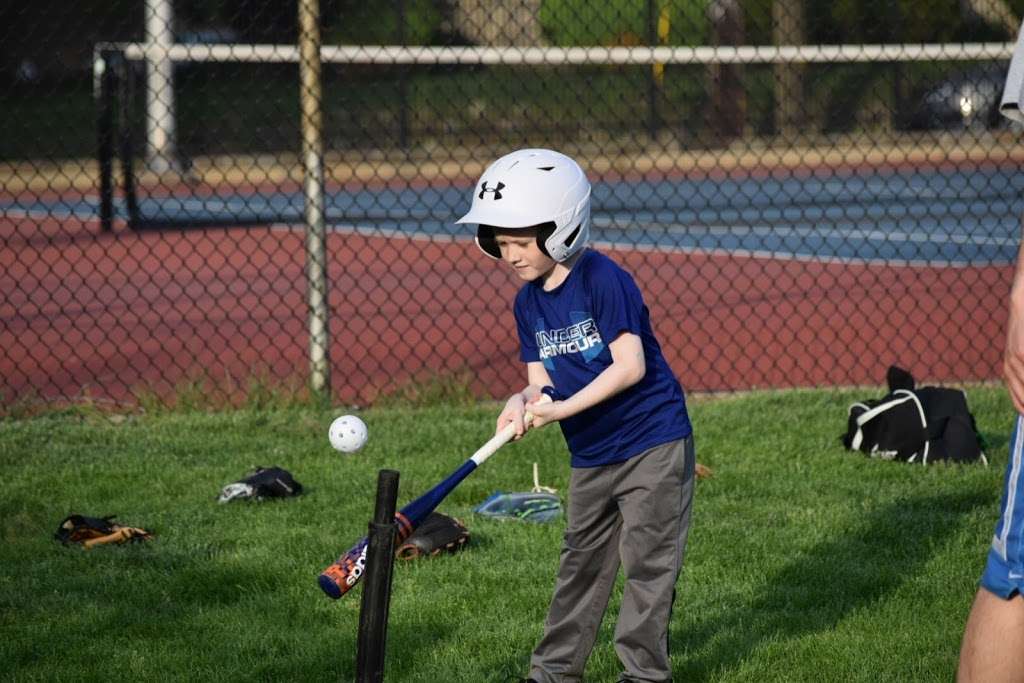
103	94
126	137
161	152
311	97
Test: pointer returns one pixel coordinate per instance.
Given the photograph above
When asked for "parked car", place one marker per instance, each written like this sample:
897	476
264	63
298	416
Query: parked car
965	99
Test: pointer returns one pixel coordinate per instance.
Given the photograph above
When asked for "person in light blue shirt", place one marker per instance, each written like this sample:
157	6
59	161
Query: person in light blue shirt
993	642
587	343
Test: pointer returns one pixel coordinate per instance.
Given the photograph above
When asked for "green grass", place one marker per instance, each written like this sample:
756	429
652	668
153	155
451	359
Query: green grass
805	562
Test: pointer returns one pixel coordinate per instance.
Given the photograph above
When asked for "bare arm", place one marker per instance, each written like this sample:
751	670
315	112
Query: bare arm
515	407
1013	357
627	368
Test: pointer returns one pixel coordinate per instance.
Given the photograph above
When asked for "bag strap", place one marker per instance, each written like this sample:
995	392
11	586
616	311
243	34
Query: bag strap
871	413
924	424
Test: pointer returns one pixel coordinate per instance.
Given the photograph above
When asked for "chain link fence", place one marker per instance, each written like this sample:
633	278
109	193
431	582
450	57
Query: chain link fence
805	192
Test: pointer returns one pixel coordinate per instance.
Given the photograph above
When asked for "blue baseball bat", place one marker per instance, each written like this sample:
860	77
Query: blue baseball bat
348	569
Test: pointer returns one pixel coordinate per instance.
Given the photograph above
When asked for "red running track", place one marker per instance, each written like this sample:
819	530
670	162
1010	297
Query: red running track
122	315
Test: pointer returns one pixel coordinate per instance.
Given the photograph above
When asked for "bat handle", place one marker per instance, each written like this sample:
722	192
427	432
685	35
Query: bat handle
528	416
504	435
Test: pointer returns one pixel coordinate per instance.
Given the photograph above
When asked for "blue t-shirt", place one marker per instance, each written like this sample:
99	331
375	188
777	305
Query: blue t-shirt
569	329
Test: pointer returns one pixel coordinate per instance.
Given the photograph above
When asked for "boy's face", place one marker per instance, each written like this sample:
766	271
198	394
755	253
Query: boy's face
519	249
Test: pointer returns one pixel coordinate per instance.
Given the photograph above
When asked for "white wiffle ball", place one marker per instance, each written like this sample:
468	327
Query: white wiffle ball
348	434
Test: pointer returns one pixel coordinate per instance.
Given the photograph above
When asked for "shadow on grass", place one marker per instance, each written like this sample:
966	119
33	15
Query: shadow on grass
821	586
996	443
413	641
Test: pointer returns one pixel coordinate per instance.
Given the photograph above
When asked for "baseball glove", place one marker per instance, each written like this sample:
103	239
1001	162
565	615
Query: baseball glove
263	482
93	531
438	533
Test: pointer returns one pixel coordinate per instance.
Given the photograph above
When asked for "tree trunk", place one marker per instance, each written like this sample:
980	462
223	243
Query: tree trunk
498	25
788	29
995	12
727	115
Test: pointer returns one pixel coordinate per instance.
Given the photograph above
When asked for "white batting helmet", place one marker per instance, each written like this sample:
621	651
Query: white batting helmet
533	188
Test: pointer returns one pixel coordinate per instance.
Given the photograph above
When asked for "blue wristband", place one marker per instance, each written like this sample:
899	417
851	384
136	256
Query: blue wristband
553	394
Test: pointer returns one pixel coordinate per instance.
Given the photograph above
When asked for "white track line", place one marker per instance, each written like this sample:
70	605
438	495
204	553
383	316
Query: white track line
391	233
721	230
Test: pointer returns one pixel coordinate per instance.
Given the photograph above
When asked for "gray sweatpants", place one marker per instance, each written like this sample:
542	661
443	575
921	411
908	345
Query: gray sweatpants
636	513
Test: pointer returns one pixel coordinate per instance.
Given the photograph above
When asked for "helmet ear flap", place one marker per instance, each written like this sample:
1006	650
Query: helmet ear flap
487	242
544	232
569	245
565	248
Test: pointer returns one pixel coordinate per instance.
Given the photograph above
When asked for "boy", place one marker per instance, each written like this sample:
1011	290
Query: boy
586	338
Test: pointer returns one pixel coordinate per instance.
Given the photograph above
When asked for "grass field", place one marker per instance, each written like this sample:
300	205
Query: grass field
805	562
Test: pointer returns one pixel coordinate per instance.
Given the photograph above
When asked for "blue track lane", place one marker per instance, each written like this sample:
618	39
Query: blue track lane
953	217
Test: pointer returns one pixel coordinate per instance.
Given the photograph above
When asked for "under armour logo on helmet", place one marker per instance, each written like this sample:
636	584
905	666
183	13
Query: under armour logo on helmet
496	190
